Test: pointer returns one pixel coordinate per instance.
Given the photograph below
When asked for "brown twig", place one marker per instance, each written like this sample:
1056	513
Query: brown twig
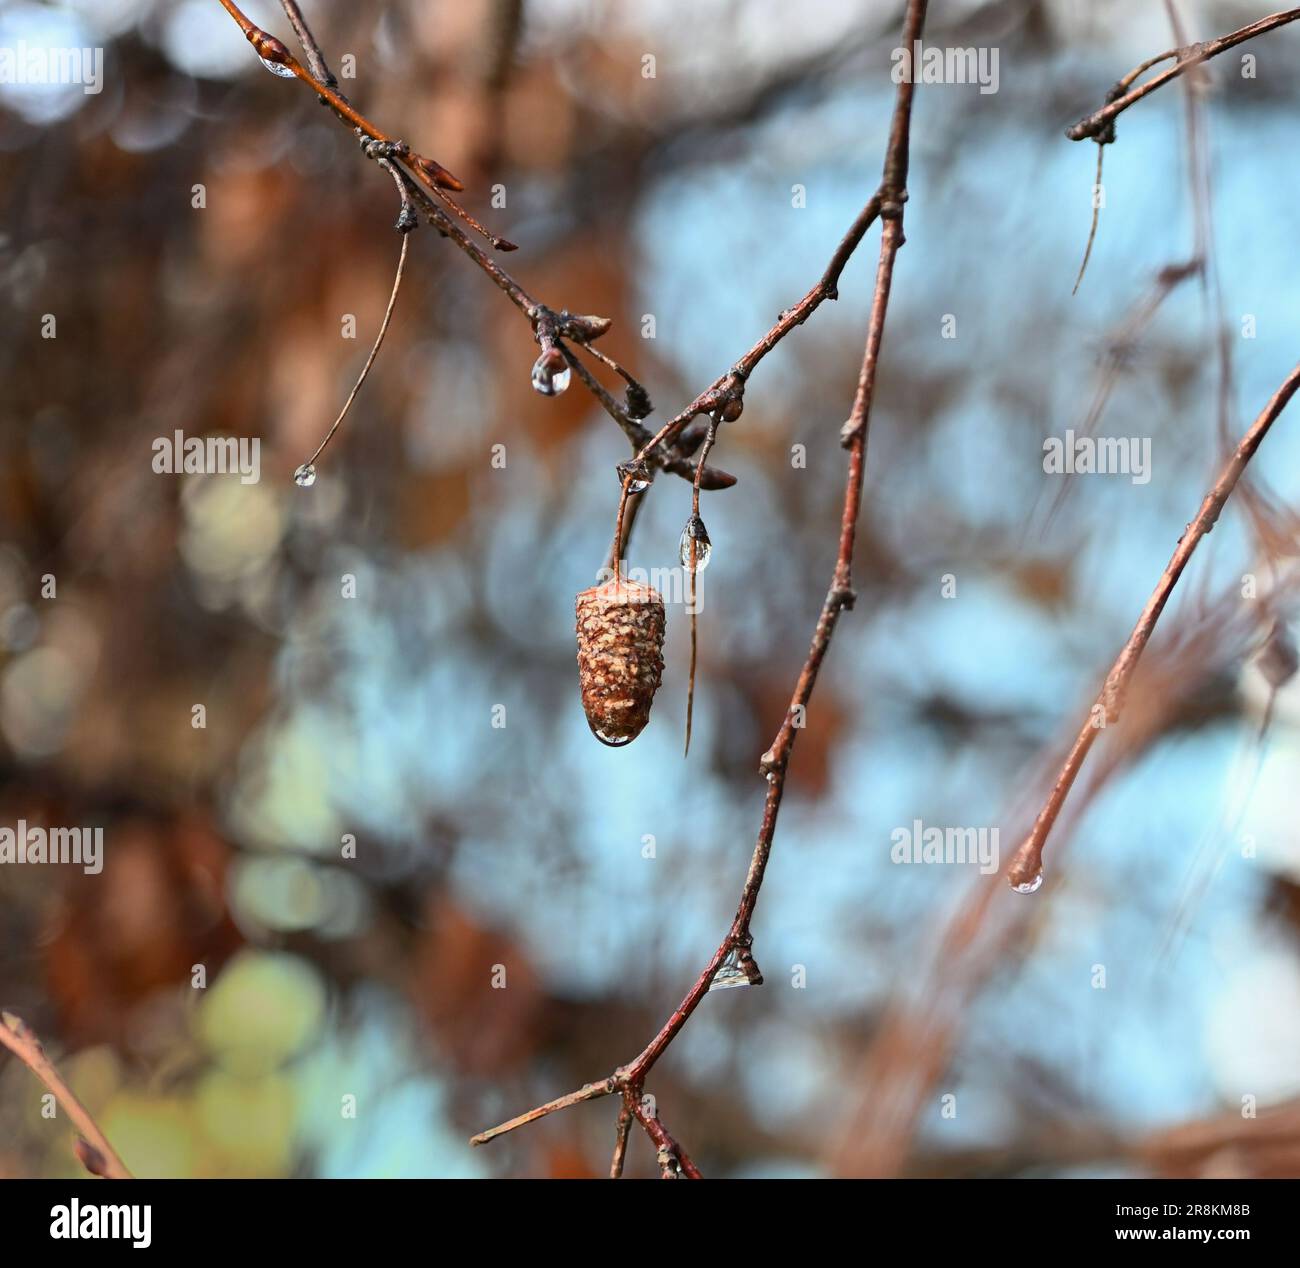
979	940
887	204
425	181
621	1130
915	1041
1026	865
588	1092
315	58
1257	505
404	228
1096	219
1100	125
91	1145
695	533
674	1162
725	395
273	53
1101	122
729	388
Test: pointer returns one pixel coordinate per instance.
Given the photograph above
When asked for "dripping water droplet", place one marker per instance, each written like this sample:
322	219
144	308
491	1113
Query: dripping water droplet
636	474
726	979
1030	886
738	969
610	740
305	476
548	380
697	533
276	69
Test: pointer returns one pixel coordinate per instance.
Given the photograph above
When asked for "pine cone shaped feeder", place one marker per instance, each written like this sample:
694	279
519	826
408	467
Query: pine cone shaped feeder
620	640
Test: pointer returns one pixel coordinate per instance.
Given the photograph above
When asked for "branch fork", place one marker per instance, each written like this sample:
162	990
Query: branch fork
723	395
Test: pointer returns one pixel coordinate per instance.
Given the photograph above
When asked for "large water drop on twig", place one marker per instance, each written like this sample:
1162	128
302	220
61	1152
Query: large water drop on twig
697	533
276	69
1031	886
548	379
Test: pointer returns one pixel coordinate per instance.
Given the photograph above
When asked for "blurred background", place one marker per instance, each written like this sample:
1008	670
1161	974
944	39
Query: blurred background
394	798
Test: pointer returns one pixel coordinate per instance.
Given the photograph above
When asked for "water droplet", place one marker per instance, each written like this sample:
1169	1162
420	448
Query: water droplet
697	533
547	379
276	69
305	476
738	969
609	738
637	475
1030	886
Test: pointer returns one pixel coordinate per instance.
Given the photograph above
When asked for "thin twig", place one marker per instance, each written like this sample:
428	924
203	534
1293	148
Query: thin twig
588	1092
1096	216
914	1044
374	351
273	52
92	1146
1101	122
620	1141
674	1162
315	58
1027	864
730	387
692	572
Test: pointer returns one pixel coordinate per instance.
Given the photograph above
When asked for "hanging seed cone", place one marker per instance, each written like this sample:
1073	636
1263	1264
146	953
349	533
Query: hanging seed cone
620	637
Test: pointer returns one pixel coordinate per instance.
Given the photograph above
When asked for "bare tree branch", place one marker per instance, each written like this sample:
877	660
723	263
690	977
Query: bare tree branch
426	184
1026	865
91	1146
1100	124
887	203
315	58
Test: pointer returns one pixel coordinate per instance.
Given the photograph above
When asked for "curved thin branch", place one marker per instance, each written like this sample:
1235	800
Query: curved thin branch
1101	122
374	350
1027	863
91	1146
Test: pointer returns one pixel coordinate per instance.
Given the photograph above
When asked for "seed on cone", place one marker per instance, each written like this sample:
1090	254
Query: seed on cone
620	641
